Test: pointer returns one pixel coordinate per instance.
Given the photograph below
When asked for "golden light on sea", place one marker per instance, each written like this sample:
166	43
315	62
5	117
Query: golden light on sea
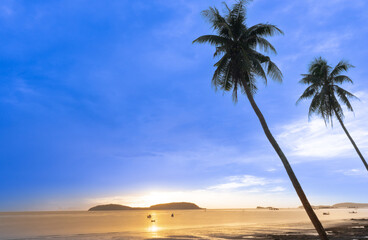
153	229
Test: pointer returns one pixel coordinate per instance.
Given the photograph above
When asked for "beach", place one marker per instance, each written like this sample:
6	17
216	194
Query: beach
185	224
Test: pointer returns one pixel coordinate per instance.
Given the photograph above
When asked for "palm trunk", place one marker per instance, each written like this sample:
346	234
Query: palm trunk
352	141
313	217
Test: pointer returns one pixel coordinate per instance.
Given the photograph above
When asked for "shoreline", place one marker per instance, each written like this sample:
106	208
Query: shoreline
270	225
347	230
337	230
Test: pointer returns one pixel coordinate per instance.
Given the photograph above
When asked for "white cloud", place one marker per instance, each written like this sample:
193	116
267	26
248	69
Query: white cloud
329	42
277	189
314	139
322	10
271	170
235	182
354	172
211	155
235	192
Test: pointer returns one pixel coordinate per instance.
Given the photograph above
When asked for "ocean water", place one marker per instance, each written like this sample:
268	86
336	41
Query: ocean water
185	223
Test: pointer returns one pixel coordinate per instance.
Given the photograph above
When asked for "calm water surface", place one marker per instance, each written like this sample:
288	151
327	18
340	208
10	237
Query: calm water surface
117	224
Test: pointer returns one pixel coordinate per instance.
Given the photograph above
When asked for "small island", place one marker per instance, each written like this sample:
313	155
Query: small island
341	205
269	208
164	206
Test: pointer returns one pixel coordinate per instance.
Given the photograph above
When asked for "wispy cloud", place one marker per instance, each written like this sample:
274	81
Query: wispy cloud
328	43
354	172
327	8
236	191
314	139
236	182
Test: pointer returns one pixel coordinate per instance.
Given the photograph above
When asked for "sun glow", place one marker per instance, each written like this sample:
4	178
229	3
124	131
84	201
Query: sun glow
153	229
162	197
217	196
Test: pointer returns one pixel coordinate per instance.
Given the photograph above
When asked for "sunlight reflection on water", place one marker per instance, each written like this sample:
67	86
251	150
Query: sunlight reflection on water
153	229
156	224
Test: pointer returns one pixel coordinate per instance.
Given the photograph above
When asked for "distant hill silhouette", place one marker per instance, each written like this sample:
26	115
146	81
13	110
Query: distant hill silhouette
109	207
164	206
342	205
350	205
174	205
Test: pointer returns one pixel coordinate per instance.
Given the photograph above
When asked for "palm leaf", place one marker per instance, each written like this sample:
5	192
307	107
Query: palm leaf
212	39
342	66
341	79
263	30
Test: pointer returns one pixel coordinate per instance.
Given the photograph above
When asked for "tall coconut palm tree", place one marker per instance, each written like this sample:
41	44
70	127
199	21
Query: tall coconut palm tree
323	81
239	66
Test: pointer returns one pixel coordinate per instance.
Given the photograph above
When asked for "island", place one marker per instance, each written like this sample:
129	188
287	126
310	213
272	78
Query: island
269	208
164	206
341	205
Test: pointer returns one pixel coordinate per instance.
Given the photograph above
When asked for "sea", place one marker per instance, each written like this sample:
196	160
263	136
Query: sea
174	224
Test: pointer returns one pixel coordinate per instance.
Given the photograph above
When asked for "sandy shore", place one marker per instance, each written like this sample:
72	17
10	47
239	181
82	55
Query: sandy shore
356	229
353	229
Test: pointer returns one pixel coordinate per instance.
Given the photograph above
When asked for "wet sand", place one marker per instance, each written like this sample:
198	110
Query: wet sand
352	229
356	229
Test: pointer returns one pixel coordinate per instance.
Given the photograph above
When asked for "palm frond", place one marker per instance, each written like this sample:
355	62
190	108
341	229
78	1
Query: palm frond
219	50
319	68
262	44
342	66
342	79
264	30
235	93
315	104
218	22
212	39
344	97
311	79
273	71
220	70
308	93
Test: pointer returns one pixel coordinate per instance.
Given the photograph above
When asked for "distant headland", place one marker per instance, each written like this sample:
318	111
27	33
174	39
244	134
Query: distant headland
341	205
164	206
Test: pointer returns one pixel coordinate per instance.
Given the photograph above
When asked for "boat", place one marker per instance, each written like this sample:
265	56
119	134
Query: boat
326	213
353	212
149	216
153	220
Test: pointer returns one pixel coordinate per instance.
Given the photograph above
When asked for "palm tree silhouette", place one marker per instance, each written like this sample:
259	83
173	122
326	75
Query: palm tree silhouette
240	64
323	81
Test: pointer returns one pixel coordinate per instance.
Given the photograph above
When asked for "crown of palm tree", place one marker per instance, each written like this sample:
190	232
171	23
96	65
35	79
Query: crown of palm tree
236	45
323	88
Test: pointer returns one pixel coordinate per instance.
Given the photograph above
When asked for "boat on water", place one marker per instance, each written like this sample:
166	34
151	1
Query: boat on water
149	216
326	213
353	212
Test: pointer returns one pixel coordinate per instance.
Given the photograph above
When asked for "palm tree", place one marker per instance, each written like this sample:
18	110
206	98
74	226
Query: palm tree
323	81
240	65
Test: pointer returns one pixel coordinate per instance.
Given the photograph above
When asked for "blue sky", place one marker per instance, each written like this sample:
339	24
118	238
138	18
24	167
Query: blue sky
111	102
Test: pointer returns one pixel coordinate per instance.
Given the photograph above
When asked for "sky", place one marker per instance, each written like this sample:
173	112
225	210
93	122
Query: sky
110	102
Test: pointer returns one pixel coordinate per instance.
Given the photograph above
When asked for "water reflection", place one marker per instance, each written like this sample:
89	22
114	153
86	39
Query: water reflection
154	228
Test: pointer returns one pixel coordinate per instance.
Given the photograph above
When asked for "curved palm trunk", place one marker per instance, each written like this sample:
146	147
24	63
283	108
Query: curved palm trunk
313	217
352	141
